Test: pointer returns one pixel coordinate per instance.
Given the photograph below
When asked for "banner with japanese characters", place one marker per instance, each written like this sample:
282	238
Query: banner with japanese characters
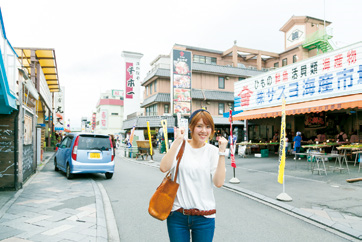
59	110
131	95
333	74
181	82
132	77
104	118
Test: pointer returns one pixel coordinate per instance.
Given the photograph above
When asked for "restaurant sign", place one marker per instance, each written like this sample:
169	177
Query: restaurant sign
333	74
181	82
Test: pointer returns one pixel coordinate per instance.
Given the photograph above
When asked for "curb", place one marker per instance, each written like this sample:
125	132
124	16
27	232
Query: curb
282	206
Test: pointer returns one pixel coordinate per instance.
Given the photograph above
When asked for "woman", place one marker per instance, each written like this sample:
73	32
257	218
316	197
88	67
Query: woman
202	166
297	144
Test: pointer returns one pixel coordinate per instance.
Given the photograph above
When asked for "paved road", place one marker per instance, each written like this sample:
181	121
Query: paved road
238	219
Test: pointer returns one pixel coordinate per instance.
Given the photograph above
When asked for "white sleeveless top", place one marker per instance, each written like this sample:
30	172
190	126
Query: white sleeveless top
196	171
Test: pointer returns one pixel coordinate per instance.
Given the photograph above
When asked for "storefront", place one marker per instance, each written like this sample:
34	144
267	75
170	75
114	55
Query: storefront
323	94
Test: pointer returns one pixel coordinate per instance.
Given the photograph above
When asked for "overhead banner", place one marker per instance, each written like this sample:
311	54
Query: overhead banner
181	82
333	74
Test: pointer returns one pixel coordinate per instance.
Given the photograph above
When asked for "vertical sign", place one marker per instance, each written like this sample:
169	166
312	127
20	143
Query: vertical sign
59	110
104	119
130	82
282	147
132	93
94	121
181	82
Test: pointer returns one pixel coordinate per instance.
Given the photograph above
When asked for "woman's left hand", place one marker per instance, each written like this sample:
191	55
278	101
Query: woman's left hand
222	144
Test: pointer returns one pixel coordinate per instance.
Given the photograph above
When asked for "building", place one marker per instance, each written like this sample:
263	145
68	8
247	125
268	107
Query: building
322	89
215	72
212	85
28	80
109	113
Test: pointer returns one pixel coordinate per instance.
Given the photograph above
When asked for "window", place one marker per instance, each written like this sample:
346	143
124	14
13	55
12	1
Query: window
295	58
146	90
148	111
241	78
221	108
167	108
276	64
155	86
114	114
151	88
204	59
285	62
221	82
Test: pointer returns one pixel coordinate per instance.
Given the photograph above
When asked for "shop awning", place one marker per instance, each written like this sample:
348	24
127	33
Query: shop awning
47	61
329	104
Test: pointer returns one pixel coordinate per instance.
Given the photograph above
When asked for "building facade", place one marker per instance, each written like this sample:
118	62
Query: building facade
109	113
28	81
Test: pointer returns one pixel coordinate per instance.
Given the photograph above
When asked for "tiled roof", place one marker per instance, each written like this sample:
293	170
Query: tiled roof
219	95
222	120
158	72
212	95
159	97
155	122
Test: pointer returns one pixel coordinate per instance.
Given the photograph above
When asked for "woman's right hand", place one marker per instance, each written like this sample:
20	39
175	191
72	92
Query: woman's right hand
180	133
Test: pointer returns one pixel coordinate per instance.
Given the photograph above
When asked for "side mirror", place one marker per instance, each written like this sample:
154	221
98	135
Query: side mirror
58	145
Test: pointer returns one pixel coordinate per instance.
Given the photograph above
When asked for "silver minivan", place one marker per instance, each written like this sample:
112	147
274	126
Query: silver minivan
85	153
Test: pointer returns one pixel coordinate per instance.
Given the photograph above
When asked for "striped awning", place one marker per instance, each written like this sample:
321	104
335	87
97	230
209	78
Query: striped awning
329	104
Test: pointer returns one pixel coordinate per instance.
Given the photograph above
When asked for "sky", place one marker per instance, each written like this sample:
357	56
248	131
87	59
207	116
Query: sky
89	36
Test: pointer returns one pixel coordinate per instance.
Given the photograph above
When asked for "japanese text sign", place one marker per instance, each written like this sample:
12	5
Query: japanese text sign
336	73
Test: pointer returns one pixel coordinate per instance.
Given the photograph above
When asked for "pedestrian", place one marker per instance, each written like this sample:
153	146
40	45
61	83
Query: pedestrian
297	144
202	166
276	139
113	143
354	137
342	136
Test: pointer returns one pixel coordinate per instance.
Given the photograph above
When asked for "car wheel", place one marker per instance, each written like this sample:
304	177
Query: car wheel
109	175
55	165
68	174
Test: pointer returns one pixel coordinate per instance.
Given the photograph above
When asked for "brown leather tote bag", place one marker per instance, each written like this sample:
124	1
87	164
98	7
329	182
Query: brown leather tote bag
162	200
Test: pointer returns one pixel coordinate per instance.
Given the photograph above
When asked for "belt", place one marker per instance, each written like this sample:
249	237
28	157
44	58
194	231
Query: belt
196	212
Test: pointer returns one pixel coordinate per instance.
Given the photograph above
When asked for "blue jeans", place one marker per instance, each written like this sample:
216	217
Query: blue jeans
179	227
297	150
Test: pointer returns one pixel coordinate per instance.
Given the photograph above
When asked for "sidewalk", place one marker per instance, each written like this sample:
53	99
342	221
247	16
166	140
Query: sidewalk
324	199
51	208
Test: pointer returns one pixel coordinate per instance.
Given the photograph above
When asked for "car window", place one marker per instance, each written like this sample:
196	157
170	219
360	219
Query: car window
94	142
64	142
70	140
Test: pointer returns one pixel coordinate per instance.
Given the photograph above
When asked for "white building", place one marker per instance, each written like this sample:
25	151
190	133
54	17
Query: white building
109	113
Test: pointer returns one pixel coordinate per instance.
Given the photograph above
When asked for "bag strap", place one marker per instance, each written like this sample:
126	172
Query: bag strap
178	157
